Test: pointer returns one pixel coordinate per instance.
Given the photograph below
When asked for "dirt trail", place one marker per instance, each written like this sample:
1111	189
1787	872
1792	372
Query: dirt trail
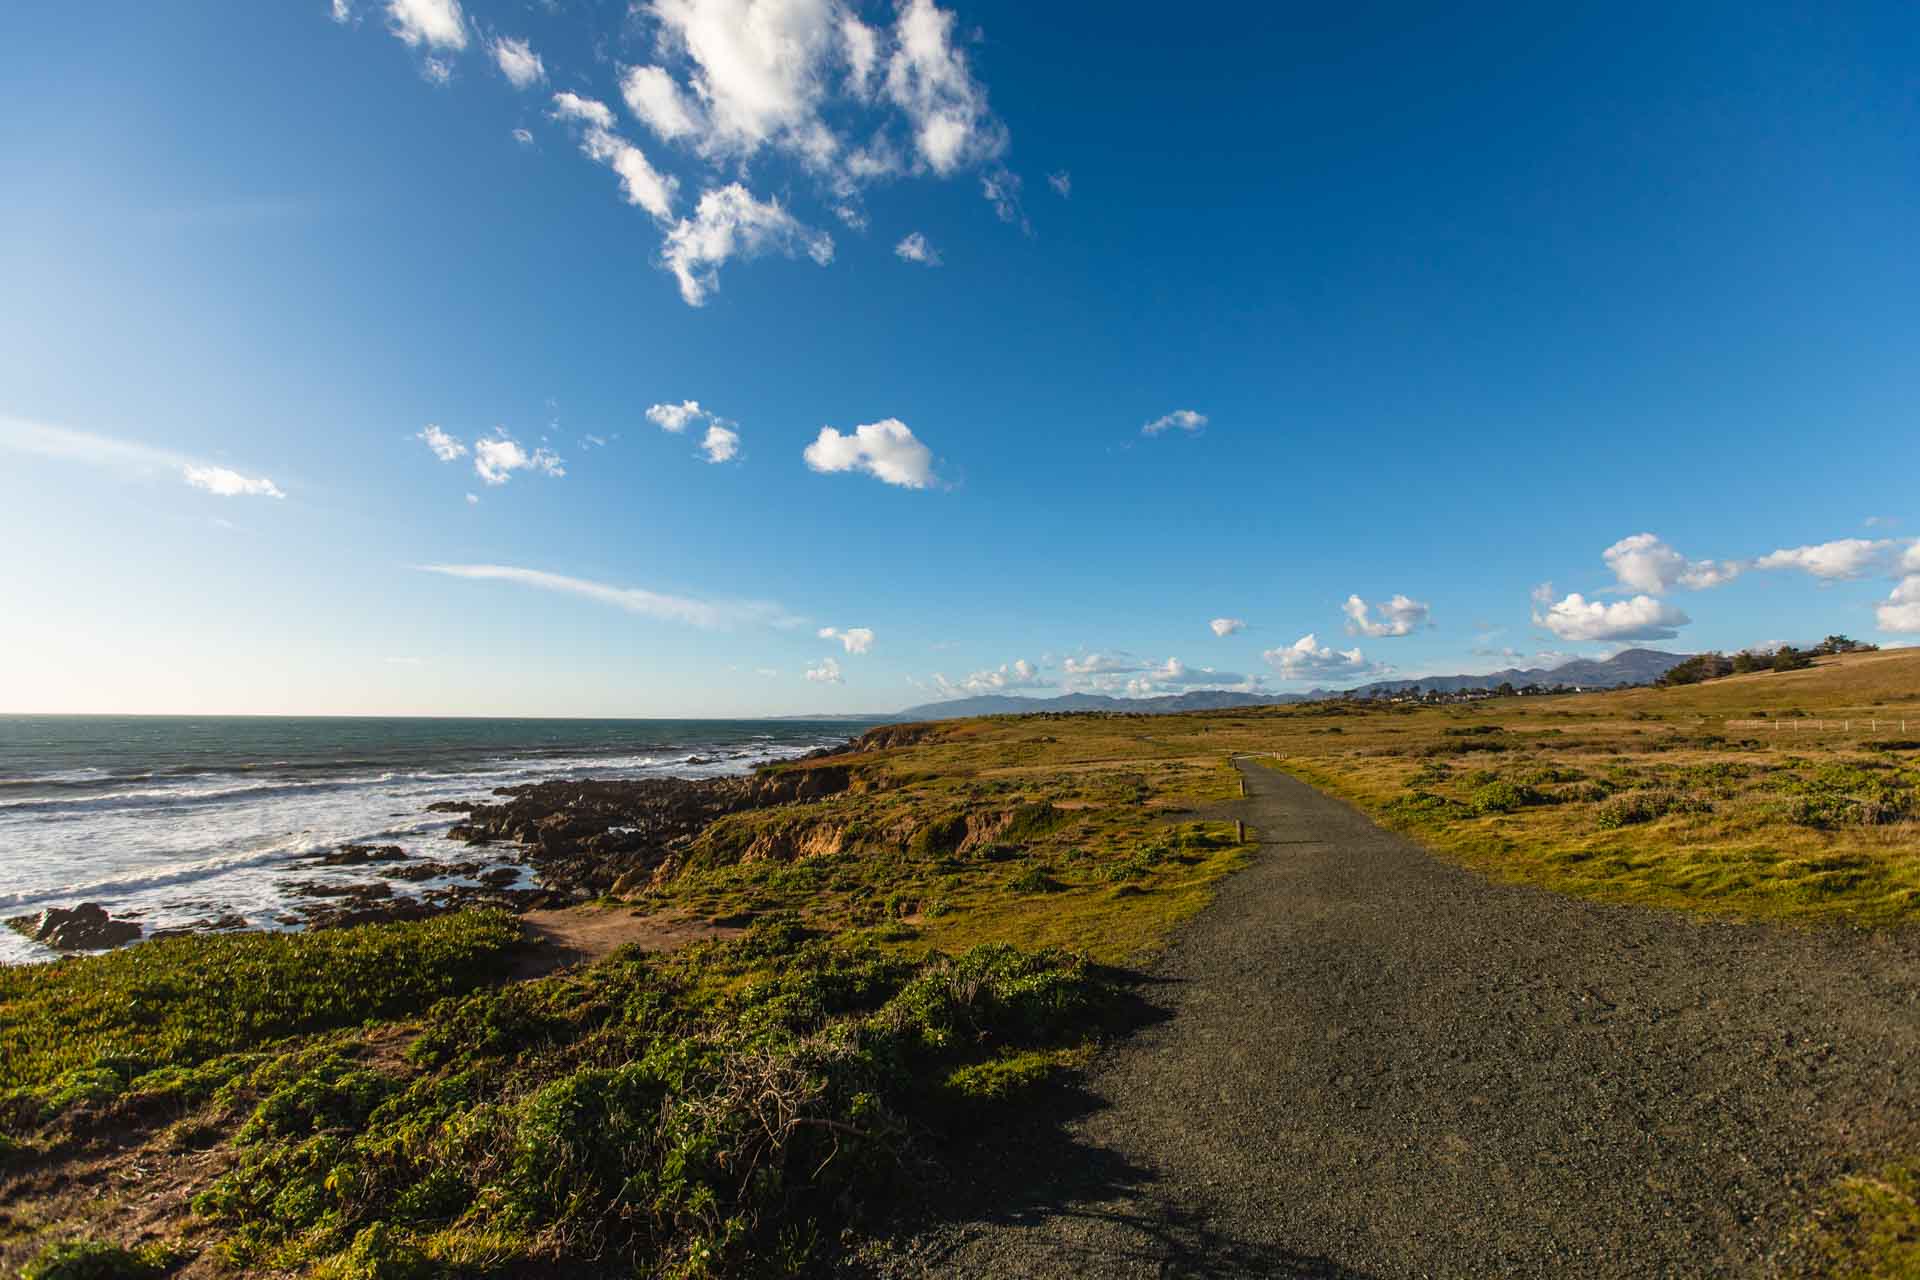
1376	1064
571	935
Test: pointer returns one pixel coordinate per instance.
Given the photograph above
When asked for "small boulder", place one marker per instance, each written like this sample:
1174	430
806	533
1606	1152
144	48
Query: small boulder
86	927
354	855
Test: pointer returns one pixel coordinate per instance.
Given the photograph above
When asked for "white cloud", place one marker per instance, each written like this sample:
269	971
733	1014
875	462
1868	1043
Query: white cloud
1881	522
444	446
1901	612
675	417
759	66
1399	616
497	457
658	102
523	136
1308	659
727	223
342	11
1001	187
1910	558
710	615
1183	419
518	63
1641	618
1833	561
1542	594
855	639
914	248
928	78
1061	182
766	672
228	483
885	450
640	182
1094	664
473	499
437	24
1020	674
587	111
1644	563
1176	674
828	672
89	449
436	71
720	444
1227	626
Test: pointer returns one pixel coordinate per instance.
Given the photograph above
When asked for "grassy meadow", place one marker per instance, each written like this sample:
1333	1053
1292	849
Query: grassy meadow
932	953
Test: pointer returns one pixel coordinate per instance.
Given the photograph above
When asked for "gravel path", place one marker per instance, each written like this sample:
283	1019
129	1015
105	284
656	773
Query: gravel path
1375	1064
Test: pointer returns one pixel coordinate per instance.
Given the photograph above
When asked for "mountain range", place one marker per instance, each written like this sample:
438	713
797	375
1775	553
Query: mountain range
1629	667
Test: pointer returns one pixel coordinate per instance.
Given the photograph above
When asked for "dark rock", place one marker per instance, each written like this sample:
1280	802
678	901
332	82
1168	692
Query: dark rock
86	927
500	877
354	855
226	923
370	892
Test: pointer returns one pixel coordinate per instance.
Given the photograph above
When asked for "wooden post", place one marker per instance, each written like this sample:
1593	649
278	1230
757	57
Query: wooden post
1239	832
1243	784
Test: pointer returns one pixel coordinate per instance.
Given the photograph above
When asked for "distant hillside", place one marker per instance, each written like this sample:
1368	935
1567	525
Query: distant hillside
1631	667
1000	704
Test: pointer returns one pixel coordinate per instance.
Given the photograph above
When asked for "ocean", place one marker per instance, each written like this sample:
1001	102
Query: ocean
173	819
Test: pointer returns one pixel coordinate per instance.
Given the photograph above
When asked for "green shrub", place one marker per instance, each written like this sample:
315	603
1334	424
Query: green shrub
1635	807
1034	878
182	1001
86	1260
1502	797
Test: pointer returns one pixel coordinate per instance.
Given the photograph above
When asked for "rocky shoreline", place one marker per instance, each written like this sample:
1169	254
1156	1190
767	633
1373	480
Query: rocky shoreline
575	840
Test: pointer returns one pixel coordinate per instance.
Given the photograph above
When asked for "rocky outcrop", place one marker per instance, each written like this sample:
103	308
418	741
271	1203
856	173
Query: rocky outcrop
86	927
355	855
585	838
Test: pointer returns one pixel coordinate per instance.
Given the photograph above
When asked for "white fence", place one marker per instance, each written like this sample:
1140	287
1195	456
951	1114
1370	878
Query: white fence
1798	724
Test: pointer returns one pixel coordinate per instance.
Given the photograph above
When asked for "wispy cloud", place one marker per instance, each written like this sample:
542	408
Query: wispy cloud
1019	674
91	449
1187	420
722	440
914	248
853	639
1308	659
518	63
1400	616
707	614
1224	627
497	457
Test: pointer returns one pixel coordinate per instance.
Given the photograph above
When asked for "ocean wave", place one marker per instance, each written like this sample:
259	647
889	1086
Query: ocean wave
167	874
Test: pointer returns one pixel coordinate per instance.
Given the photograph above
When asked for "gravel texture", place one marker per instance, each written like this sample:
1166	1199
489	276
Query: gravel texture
1370	1063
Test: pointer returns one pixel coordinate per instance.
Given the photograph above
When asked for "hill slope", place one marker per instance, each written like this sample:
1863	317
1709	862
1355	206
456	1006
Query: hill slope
1631	667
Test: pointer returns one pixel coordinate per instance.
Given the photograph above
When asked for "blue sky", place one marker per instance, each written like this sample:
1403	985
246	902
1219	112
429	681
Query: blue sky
1026	342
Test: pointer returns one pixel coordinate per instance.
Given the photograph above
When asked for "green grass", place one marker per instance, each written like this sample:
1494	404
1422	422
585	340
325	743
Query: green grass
1870	1229
724	1110
177	1003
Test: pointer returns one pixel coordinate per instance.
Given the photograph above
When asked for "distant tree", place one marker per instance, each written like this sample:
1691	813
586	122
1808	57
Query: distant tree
1506	689
1702	666
1844	644
1791	659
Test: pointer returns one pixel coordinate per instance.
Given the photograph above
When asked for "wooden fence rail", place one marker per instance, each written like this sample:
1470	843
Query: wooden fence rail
1800	724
